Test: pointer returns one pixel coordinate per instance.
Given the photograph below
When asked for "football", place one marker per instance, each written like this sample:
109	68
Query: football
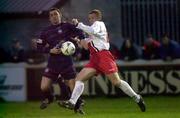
68	48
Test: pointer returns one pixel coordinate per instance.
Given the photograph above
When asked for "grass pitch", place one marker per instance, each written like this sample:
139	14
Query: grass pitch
157	107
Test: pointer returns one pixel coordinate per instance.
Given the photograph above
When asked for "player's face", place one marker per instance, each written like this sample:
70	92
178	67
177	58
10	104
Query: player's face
92	18
128	44
165	40
54	17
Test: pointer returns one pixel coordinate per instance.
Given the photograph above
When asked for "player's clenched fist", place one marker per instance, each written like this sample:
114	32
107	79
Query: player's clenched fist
55	51
75	21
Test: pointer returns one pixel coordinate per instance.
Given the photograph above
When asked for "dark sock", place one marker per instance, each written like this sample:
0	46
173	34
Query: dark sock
65	91
48	95
78	103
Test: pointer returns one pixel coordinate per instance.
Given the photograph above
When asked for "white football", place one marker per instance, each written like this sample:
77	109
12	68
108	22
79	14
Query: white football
68	48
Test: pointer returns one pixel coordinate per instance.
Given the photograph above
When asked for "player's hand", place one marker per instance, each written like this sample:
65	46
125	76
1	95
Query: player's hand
55	51
76	39
75	21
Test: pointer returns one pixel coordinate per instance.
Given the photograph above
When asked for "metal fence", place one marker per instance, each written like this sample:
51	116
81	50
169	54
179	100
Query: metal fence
140	17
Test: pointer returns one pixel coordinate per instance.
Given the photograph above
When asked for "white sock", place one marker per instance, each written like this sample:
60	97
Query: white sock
124	86
77	91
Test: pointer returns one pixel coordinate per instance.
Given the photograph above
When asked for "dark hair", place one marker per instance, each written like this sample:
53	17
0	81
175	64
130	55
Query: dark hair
14	41
165	34
97	12
55	9
124	43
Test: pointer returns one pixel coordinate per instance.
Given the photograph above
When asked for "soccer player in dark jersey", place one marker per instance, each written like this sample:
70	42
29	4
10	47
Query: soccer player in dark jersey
58	65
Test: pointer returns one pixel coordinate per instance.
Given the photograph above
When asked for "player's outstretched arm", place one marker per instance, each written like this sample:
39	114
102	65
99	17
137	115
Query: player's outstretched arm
93	29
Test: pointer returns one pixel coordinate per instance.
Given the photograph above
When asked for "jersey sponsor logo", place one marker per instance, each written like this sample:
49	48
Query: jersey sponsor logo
40	41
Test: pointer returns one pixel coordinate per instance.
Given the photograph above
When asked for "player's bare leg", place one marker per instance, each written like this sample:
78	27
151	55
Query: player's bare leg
124	86
46	89
71	84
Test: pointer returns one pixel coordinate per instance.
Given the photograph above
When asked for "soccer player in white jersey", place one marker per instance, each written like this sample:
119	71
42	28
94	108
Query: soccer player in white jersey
101	60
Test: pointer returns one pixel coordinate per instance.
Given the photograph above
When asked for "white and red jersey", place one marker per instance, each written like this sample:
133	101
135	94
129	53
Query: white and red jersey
97	35
101	59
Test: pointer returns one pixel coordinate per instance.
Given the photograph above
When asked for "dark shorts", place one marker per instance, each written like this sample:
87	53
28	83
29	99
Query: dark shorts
66	73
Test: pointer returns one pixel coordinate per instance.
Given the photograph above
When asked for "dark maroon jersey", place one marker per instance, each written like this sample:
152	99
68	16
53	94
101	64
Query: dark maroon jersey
53	36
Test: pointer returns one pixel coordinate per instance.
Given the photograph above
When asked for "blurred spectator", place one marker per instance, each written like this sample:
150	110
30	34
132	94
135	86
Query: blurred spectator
17	51
151	48
34	57
4	56
169	49
115	51
129	51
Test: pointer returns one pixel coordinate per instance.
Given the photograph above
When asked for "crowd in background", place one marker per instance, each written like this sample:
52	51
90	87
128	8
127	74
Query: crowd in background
17	53
166	49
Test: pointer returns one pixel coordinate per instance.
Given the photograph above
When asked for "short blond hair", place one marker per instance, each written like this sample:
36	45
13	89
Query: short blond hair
97	13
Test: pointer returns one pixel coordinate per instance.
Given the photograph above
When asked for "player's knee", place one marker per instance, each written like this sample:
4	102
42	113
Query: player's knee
116	82
44	87
78	77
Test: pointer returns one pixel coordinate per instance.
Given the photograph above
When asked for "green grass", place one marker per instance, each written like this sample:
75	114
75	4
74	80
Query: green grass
157	107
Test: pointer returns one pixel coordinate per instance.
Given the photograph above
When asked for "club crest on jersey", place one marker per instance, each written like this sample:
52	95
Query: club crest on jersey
46	70
60	31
